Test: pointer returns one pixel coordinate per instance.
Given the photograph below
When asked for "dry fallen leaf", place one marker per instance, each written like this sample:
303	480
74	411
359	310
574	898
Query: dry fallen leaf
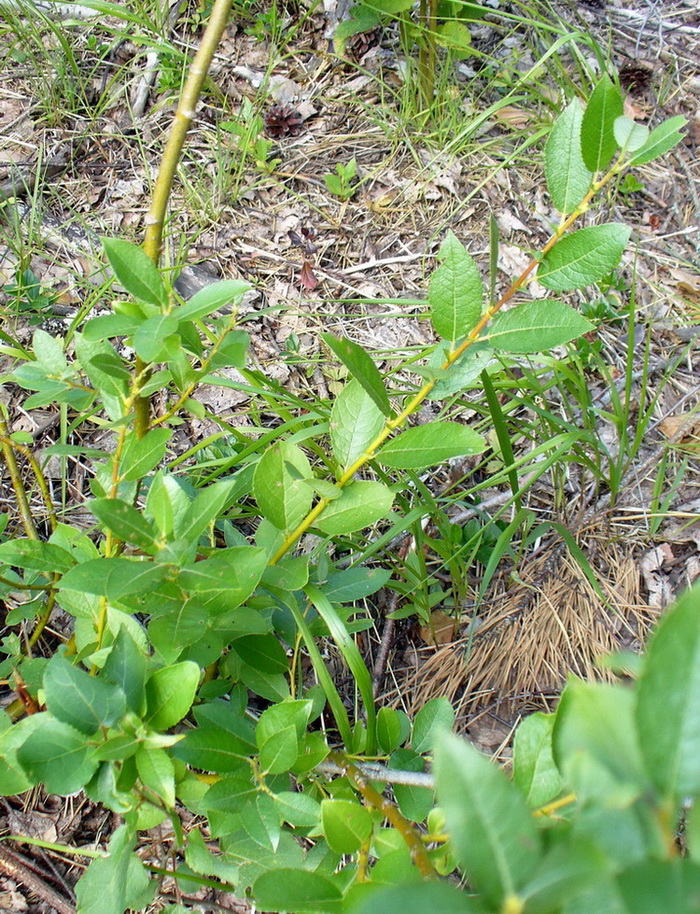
514	117
441	629
682	427
307	277
635	112
657	583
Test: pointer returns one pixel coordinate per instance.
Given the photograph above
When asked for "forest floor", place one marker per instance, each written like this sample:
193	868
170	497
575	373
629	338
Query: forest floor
81	133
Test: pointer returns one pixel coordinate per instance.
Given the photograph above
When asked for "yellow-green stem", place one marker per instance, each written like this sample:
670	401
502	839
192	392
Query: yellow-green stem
8	453
43	619
424	77
402	825
550	808
155	220
431	38
184	116
414	403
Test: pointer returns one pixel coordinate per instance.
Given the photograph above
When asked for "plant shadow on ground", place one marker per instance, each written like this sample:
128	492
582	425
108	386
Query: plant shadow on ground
491	612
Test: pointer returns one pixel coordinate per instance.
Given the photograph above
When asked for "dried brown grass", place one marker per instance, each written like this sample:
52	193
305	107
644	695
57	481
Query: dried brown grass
519	647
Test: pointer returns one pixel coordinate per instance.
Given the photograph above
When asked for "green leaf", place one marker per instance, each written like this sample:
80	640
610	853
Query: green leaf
391	729
113	578
83	701
661	140
361	504
177	629
116	882
226	579
213	748
493	834
420	898
141	455
363	20
584	257
630	136
462	374
135	271
13	778
200	859
113	391
292	713
296	890
125	522
264	652
313	749
595	721
456	37
433	718
568	179
49	353
536	326
279	488
335	702
354	584
279	752
660	885
414	802
300	810
356	420
110	364
156	770
153	339
57	755
598	142
455	292
534	770
36	555
290	574
230	794
362	368
231	353
388	7
271	686
668	704
427	445
230	716
126	667
211	298
602	897
210	503
166	501
569	868
170	692
110	325
346	825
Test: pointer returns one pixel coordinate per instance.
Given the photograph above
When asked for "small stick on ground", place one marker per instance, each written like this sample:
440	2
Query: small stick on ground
13	867
389	625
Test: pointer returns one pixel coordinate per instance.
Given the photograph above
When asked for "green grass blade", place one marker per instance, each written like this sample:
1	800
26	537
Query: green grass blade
499	424
324	677
351	655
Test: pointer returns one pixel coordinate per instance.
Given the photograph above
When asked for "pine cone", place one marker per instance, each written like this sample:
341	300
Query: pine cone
283	120
357	45
635	75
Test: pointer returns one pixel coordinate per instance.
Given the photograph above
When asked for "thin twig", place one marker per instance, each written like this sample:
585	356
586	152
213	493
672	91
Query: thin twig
408	544
405	828
377	772
13	866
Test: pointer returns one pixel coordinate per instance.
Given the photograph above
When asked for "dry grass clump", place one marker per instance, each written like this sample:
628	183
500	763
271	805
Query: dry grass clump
515	653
